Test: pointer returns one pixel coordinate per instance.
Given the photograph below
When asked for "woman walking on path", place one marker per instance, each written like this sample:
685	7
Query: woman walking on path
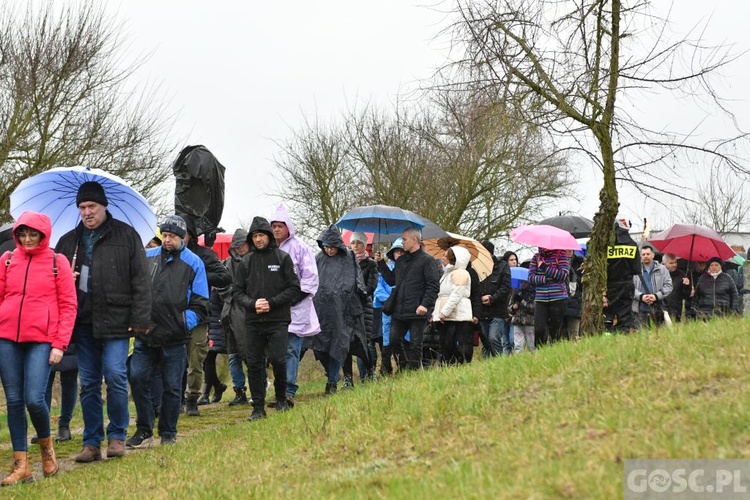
38	308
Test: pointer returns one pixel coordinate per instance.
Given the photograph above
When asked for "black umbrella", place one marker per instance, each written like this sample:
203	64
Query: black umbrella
579	227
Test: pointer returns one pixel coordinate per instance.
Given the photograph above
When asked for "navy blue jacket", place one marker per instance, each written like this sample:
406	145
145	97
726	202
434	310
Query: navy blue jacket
179	295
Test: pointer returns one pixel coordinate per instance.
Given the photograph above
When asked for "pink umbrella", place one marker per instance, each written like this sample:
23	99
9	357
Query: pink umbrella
545	236
692	242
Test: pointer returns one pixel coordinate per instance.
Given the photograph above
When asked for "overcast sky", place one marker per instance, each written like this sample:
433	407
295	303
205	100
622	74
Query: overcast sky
240	75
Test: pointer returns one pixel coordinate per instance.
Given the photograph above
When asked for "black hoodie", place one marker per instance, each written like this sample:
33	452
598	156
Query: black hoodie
266	273
623	259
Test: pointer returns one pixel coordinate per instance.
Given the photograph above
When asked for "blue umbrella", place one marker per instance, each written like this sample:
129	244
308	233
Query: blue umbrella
517	275
54	193
379	219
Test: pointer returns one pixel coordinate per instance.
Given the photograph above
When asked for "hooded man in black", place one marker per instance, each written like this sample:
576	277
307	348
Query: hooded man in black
266	286
623	262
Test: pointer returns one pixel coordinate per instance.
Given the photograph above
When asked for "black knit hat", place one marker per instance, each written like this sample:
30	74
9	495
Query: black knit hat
91	191
173	224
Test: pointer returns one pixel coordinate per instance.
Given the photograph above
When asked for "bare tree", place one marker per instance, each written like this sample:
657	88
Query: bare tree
64	99
722	204
564	67
466	165
317	178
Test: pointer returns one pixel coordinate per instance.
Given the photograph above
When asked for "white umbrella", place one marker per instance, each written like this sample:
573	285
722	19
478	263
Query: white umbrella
54	193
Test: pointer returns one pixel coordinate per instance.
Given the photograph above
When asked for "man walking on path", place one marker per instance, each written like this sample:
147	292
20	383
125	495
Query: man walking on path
417	280
180	303
218	277
114	304
266	285
304	318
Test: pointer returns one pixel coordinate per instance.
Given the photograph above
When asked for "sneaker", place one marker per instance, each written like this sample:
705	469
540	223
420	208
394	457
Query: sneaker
168	440
88	454
34	439
140	439
63	434
116	448
258	413
290	401
348	383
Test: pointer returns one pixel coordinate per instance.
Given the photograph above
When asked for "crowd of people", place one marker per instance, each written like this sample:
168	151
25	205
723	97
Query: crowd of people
151	322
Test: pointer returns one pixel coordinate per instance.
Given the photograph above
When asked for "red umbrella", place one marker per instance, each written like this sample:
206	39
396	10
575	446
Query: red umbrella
692	242
221	245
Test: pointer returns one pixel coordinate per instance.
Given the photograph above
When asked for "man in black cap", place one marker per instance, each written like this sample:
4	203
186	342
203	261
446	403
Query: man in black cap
266	285
114	304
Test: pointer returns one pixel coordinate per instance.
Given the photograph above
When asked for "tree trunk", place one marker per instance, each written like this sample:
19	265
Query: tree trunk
595	265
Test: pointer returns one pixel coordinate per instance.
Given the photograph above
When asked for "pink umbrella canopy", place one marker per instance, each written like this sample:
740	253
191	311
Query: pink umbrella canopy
692	242
544	236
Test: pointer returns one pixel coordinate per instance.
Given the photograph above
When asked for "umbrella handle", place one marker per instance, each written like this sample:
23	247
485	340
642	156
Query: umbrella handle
73	261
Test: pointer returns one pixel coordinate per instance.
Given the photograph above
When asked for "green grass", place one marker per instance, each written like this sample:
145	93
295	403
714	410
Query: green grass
558	423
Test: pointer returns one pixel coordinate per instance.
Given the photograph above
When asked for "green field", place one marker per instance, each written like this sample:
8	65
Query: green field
558	423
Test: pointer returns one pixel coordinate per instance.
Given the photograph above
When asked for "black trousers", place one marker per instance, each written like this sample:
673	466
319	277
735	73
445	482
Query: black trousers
269	340
549	318
408	358
456	341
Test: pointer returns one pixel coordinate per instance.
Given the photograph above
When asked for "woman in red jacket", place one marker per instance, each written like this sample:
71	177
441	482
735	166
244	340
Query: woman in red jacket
37	311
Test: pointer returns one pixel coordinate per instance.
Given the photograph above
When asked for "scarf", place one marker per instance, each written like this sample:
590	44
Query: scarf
361	256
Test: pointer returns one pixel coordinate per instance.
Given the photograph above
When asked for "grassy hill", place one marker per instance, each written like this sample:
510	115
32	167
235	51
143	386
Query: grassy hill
558	423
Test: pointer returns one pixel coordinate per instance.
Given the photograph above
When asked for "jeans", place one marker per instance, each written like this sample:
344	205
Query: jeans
272	340
167	362
68	394
235	371
97	359
373	351
197	352
292	364
24	371
331	365
524	337
497	334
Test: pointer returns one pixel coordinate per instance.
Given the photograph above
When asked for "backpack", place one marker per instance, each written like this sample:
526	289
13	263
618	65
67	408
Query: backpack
54	262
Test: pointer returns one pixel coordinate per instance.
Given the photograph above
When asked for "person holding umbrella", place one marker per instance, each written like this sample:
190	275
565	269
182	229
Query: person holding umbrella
715	293
548	273
114	304
37	313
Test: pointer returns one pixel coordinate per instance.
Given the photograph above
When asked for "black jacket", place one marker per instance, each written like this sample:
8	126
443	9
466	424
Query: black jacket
497	286
215	329
120	281
370	278
716	296
268	274
417	280
180	296
217	274
623	258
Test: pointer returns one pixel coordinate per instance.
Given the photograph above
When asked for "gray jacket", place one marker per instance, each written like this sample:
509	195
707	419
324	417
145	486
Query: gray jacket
661	283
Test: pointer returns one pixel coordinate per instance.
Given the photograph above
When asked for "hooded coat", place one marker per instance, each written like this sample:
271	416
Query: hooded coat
339	301
453	300
266	273
36	305
304	318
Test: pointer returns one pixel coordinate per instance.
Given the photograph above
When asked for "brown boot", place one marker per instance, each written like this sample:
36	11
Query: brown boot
21	472
49	460
88	454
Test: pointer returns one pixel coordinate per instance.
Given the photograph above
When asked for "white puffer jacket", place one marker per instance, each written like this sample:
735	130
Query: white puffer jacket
455	288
